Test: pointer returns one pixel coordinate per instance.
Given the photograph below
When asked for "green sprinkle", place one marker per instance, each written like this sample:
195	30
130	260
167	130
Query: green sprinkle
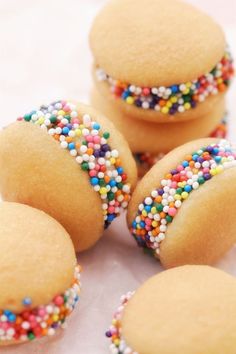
102	182
27	117
120	185
179	190
159	207
110	196
106	135
53	119
31	336
85	166
169	218
201	180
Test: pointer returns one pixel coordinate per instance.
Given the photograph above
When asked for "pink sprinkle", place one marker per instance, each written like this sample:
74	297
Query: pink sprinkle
180	168
148	221
172	211
173	184
58	300
75	121
42	312
90	145
66	108
89	138
96	139
111	209
92	173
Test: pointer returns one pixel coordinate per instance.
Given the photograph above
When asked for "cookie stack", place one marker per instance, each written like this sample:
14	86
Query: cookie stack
161	70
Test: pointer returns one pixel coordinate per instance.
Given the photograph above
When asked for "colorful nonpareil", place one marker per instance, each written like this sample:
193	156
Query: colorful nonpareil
118	345
176	98
158	209
40	321
89	145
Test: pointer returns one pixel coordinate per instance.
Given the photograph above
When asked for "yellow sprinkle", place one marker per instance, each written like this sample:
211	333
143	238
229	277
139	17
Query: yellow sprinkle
219	81
41	120
174	99
177	196
184	195
219	169
103	190
78	132
169	104
130	100
112	160
213	172
189	84
144	213
116	341
165	110
61	113
187	105
153	210
154	223
186	92
55	318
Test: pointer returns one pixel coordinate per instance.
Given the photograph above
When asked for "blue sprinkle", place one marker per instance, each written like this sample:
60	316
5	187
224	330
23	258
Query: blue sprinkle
27	301
174	89
217	159
120	170
195	157
142	224
185	163
215	151
65	130
7	313
94	181
96	126
134	224
71	146
12	317
111	217
112	183
148	208
188	188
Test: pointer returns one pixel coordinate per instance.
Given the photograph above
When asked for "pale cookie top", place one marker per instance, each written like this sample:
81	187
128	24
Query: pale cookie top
161	42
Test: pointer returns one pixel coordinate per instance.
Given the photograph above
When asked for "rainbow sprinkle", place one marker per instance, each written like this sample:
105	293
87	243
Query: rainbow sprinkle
86	142
146	160
160	207
118	344
176	98
40	321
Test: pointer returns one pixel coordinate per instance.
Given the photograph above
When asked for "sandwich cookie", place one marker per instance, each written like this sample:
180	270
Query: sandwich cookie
40	278
185	310
71	162
177	212
161	68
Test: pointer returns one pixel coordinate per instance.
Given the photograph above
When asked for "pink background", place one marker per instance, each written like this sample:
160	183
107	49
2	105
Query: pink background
45	56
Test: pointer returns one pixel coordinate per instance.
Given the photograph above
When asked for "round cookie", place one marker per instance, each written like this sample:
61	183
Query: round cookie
78	168
154	65
38	289
145	160
156	138
182	210
185	310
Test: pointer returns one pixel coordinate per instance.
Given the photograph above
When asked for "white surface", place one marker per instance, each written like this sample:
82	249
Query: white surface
44	56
